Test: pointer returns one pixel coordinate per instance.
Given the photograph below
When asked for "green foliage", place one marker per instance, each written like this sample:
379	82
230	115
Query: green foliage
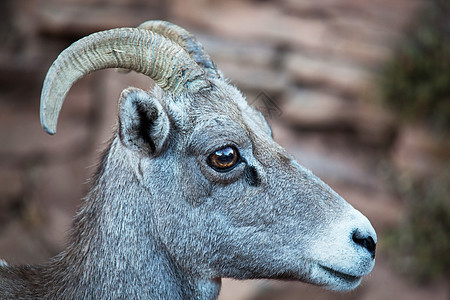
416	82
420	247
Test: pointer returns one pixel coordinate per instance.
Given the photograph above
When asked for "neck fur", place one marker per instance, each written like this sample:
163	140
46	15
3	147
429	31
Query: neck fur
114	251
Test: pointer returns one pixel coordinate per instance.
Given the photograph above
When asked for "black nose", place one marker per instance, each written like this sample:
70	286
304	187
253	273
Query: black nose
365	241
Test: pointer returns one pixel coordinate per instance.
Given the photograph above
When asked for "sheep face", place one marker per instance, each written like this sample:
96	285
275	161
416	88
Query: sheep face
225	200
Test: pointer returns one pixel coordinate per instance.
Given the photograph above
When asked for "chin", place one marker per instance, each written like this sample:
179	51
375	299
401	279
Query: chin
335	279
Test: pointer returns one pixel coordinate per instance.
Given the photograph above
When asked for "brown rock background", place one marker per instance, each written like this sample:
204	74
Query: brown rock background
317	60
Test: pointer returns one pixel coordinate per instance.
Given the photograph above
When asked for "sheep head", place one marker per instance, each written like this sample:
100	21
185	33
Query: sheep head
224	198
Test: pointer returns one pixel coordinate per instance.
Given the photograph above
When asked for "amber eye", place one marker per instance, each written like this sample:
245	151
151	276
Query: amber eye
224	159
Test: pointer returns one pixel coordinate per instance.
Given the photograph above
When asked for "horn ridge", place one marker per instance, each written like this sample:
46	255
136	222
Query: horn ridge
187	41
140	50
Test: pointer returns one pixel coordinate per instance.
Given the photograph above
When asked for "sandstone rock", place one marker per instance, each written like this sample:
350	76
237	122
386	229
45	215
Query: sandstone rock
21	245
235	289
11	184
375	125
420	154
19	76
27	140
224	51
70	19
391	14
308	70
11	193
249	22
316	109
342	29
321	110
253	78
24	138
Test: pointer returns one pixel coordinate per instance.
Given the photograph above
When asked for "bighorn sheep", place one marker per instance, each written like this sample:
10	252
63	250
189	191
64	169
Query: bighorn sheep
192	188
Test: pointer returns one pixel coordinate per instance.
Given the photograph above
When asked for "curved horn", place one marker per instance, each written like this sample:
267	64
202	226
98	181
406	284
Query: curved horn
136	49
186	40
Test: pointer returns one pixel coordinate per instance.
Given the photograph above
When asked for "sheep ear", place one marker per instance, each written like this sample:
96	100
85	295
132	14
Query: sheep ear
143	122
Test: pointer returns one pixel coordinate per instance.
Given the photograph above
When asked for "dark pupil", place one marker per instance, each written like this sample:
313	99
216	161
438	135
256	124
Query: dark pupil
224	158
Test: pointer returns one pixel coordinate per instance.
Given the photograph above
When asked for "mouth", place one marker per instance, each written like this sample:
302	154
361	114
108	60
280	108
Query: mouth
350	280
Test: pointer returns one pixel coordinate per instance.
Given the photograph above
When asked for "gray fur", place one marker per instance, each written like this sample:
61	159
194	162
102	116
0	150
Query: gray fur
159	223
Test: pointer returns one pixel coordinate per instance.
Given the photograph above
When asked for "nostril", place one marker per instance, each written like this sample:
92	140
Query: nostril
365	241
